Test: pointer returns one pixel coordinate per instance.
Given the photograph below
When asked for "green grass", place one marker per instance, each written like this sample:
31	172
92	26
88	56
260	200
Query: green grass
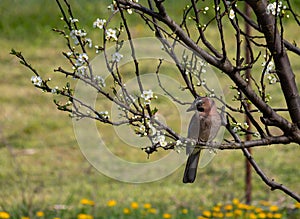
58	173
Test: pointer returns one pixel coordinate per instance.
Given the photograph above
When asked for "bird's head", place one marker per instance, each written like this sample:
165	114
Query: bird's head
201	104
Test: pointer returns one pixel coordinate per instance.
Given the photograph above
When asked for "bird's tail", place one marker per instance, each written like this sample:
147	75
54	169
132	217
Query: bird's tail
191	167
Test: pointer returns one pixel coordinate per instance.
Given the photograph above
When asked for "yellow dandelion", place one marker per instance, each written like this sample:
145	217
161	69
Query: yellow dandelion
184	211
228	207
244	206
216	208
240	205
134	205
25	217
262	215
84	216
235	201
206	213
273	208
56	218
201	217
269	215
40	214
126	211
111	203
238	212
277	215
249	207
297	205
147	206
4	215
228	214
85	201
218	214
167	216
252	216
258	210
152	210
81	216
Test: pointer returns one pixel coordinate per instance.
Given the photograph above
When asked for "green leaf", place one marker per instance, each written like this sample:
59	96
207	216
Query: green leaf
154	111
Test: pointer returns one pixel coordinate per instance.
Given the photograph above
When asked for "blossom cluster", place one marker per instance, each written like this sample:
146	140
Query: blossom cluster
269	68
147	95
274	8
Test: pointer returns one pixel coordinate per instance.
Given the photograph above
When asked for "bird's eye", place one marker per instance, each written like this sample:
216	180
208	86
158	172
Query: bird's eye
200	108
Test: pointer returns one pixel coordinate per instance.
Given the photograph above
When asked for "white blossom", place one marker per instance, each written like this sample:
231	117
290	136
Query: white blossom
231	14
236	127
245	125
178	142
99	23
205	10
212	93
74	20
97	49
111	34
104	114
270	66
161	139
271	8
112	7
82	70
36	80
100	80
69	54
80	33
74	34
89	42
142	130
81	59
256	134
272	79
116	57
147	95
54	90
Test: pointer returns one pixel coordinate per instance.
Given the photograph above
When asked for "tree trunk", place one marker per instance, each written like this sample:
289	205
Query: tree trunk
248	173
267	24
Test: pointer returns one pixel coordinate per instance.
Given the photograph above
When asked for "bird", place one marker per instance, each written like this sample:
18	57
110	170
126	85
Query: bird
204	126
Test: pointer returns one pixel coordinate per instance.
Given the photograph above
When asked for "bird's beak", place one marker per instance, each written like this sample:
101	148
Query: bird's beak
194	105
191	108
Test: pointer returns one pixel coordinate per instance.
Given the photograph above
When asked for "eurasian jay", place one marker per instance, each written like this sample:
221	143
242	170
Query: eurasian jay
203	127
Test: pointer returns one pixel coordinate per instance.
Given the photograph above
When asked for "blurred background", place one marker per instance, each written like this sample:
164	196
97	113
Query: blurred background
41	163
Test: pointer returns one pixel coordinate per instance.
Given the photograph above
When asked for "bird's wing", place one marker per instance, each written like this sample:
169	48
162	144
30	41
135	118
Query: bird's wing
193	131
215	126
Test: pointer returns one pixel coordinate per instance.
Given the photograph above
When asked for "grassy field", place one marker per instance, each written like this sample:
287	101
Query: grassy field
43	168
